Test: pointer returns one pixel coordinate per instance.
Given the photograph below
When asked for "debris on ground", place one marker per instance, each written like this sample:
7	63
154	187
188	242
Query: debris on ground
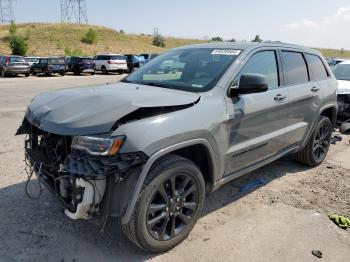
340	221
251	185
317	253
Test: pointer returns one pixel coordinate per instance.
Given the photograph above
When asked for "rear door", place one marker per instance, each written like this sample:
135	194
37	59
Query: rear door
305	96
257	121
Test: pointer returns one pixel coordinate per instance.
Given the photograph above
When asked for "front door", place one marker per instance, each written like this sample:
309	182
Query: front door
257	121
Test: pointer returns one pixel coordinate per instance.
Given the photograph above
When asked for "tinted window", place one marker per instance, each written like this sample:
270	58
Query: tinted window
117	57
56	61
17	59
317	67
295	69
263	63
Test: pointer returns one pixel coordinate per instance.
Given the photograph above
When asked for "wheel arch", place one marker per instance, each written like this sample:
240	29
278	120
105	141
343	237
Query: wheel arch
331	113
205	163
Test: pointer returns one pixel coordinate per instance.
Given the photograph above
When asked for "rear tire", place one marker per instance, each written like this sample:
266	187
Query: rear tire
27	74
3	73
168	206
318	145
62	73
104	70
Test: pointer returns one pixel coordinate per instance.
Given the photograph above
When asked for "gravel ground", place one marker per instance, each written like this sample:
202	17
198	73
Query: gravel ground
282	220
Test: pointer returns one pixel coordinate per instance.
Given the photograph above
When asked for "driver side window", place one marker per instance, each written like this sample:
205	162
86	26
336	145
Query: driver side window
264	63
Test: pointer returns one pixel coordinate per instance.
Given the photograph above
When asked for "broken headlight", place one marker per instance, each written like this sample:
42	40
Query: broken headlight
98	146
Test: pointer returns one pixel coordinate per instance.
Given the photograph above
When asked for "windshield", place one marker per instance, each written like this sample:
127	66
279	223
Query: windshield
342	71
193	70
56	61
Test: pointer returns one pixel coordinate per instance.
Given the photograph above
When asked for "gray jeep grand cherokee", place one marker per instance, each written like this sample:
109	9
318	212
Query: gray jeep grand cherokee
148	149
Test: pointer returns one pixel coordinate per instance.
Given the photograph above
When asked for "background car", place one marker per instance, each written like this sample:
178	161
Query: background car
79	65
111	63
342	74
149	57
32	59
334	61
14	65
48	66
134	61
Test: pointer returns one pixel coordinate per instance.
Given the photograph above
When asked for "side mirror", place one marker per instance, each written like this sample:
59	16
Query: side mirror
249	84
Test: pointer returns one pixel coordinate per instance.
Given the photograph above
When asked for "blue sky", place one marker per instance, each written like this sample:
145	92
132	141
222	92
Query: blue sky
316	23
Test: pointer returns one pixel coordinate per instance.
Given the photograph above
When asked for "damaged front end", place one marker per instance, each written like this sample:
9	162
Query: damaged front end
86	174
344	105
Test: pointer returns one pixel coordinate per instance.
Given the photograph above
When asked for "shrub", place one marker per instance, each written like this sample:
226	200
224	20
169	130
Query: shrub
19	45
159	40
13	28
257	39
217	39
90	37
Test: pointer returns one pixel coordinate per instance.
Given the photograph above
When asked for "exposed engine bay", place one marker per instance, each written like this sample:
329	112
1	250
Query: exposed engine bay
78	179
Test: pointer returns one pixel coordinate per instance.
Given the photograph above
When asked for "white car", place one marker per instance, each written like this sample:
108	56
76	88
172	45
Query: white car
111	63
342	74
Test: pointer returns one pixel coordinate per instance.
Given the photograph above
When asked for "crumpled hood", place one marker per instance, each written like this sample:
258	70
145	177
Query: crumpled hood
94	110
343	87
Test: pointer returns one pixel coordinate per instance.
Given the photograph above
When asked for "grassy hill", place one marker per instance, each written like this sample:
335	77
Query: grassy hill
65	39
58	39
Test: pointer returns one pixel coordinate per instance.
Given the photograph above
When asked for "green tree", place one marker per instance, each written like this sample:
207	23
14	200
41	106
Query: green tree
217	39
90	37
257	39
159	40
18	45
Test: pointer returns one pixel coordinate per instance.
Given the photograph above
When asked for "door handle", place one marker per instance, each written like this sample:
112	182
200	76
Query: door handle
315	89
280	97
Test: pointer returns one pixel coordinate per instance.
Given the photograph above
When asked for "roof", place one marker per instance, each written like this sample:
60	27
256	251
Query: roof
247	45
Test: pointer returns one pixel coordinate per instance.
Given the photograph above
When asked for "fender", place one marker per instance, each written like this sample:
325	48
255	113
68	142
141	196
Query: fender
127	215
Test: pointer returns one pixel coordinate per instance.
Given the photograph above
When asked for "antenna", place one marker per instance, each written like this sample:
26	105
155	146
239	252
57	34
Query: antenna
6	11
74	11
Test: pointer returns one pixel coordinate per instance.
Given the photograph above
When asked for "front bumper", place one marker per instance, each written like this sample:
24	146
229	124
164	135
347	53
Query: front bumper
87	186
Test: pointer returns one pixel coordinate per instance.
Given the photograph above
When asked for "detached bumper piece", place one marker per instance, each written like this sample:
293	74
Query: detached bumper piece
76	178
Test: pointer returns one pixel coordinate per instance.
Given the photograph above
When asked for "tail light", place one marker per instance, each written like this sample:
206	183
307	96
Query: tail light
7	61
119	62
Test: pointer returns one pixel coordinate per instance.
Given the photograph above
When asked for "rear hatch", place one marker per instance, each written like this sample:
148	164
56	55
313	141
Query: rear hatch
16	63
86	63
117	60
57	64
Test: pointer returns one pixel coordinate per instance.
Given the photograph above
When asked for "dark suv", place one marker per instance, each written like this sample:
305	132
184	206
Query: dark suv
148	149
48	66
14	65
79	65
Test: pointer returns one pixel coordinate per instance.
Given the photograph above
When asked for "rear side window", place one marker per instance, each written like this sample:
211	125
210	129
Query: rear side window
318	69
263	63
295	69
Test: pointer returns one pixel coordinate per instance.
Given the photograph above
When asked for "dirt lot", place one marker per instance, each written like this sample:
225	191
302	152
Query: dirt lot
283	220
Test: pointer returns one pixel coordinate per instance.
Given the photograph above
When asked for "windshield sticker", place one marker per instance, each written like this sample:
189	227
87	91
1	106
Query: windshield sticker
226	52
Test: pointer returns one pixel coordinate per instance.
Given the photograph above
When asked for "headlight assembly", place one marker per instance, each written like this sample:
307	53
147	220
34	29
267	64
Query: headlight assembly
98	146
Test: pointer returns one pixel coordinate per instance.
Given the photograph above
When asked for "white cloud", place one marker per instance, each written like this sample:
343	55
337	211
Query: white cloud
343	13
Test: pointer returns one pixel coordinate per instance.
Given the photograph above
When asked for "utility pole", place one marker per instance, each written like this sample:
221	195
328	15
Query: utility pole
74	11
6	11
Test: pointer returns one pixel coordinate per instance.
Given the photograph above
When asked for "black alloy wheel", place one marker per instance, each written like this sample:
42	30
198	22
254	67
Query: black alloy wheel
172	207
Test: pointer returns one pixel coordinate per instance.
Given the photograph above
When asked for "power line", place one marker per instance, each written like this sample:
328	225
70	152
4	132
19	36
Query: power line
6	11
74	11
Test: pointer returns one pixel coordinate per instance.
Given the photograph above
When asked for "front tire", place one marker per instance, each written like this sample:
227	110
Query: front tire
104	70
317	148
168	205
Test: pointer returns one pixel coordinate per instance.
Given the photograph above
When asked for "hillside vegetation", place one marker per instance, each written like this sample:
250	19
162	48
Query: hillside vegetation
65	39
60	39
